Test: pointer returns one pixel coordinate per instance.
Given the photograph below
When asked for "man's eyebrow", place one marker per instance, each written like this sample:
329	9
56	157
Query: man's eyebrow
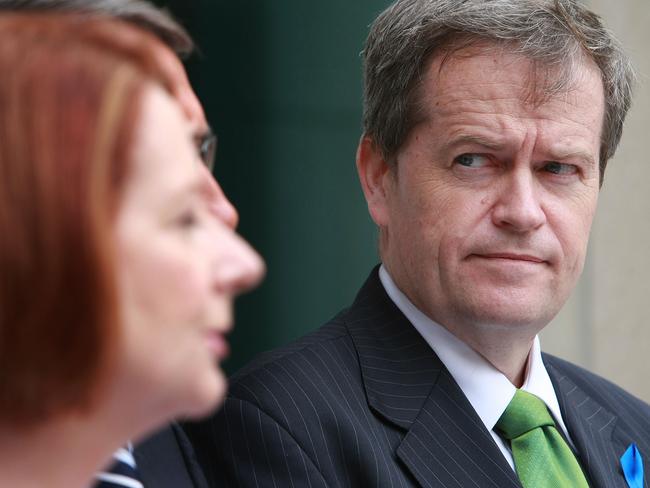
474	139
562	154
495	144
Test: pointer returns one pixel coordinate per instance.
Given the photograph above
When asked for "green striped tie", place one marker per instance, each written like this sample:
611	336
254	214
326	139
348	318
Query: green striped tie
542	457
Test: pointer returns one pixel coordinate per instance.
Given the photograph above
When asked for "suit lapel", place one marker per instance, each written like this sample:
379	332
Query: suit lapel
598	437
448	445
445	443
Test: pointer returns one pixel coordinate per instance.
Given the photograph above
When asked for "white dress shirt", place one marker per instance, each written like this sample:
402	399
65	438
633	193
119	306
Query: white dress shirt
486	388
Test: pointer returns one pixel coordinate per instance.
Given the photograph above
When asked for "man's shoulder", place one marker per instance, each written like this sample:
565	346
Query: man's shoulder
608	393
313	361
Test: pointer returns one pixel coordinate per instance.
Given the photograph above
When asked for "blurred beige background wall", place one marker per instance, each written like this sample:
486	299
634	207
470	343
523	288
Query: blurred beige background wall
605	326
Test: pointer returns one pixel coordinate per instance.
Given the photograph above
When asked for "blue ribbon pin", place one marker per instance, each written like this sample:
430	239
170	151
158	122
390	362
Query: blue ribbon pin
632	465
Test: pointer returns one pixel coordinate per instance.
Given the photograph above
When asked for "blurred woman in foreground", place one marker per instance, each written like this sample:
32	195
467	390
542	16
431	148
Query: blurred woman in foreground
116	278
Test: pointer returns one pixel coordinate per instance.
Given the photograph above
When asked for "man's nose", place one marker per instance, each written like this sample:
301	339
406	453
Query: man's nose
518	207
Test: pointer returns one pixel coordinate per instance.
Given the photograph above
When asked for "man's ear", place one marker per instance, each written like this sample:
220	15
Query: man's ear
374	175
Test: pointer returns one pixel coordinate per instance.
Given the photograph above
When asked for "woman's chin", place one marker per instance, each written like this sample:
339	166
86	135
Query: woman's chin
208	397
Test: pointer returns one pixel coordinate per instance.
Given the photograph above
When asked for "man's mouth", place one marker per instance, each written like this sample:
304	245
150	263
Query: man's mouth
511	256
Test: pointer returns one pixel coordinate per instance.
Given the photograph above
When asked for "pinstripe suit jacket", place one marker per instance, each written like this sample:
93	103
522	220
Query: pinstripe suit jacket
365	402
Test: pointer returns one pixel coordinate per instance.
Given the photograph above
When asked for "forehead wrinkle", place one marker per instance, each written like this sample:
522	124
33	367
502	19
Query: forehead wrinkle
535	88
443	95
473	99
453	101
507	116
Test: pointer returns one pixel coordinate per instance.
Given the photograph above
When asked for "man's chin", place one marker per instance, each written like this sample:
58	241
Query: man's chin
509	311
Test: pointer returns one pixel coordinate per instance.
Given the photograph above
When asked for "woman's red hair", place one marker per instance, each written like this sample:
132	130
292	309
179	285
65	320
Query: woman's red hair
69	92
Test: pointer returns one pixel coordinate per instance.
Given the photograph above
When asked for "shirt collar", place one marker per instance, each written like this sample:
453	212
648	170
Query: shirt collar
486	388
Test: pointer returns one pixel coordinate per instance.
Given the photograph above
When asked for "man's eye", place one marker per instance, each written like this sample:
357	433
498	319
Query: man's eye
560	168
472	160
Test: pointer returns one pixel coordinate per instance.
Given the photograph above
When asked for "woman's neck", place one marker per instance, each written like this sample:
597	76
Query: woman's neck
64	453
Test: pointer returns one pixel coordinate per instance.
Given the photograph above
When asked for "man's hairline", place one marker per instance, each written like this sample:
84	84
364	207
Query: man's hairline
452	50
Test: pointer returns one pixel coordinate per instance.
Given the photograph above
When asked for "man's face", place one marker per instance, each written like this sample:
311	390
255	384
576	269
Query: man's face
485	219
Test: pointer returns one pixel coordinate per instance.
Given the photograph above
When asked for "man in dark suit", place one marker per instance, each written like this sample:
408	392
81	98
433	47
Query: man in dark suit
487	128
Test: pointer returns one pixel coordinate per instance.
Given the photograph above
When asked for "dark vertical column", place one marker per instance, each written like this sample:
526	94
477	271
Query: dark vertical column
281	84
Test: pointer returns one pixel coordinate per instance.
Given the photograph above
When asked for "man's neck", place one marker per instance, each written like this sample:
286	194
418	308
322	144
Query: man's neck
508	356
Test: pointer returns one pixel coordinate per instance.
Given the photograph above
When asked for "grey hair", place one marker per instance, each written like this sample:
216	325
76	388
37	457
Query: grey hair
556	34
138	12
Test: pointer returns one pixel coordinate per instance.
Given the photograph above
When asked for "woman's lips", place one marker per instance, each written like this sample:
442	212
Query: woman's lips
218	344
